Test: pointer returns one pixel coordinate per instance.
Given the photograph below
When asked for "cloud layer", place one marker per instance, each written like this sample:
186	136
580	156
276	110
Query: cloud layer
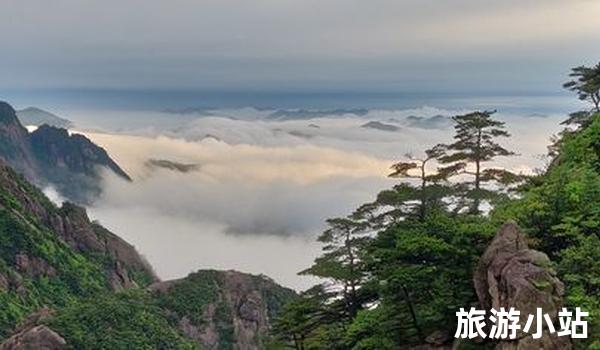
262	189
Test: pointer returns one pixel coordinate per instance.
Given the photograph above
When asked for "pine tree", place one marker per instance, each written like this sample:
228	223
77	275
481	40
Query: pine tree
341	262
586	84
475	143
430	190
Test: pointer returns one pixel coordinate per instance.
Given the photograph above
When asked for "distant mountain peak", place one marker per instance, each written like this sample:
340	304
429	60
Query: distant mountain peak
50	155
36	116
380	126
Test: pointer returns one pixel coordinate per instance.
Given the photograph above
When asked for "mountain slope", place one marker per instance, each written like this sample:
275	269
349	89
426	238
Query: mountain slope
53	256
206	310
560	211
66	282
223	309
51	156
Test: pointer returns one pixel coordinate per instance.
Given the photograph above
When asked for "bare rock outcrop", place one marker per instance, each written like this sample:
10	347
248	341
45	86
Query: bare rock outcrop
31	335
35	338
237	308
33	266
510	274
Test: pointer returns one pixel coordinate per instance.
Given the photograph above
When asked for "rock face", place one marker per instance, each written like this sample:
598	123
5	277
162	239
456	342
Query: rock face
509	274
235	309
30	335
51	156
71	223
35	338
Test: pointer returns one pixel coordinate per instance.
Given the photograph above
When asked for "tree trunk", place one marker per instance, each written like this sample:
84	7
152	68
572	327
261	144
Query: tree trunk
423	208
413	314
477	199
352	310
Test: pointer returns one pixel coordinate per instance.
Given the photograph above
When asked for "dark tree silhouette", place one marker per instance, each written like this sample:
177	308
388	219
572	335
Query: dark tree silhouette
586	84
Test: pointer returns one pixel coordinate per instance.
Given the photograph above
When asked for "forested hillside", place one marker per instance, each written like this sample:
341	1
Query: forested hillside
51	256
396	270
69	283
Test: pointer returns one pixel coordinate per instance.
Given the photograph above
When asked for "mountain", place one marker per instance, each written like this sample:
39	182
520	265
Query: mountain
380	126
223	309
38	117
304	114
206	310
52	256
434	122
51	156
69	283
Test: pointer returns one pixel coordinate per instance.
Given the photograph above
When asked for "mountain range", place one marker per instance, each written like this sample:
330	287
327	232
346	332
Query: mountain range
67	282
51	156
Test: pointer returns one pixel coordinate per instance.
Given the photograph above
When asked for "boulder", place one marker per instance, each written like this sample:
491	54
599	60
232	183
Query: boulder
510	274
35	338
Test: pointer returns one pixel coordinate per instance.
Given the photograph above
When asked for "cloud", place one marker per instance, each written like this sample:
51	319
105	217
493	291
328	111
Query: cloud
176	246
248	207
259	197
53	195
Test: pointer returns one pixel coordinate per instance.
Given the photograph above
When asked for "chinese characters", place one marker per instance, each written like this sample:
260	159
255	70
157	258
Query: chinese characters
506	323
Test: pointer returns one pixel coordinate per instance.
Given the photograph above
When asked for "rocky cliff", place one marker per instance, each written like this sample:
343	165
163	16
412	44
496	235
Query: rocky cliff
224	309
52	156
510	274
51	255
206	310
67	282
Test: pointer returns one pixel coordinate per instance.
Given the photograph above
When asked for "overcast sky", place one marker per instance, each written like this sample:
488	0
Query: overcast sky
375	45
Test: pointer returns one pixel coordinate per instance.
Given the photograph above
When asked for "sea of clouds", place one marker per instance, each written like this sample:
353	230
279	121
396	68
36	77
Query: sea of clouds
263	186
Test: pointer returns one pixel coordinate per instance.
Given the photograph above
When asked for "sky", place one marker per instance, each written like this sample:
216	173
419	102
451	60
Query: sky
470	46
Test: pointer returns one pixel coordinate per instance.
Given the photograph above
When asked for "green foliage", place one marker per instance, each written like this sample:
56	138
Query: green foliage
408	200
344	242
424	271
54	274
416	262
302	317
127	320
189	297
75	275
475	143
560	211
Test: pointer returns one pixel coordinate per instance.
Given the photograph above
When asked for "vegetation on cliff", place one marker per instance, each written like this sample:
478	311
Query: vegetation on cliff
397	269
52	256
104	295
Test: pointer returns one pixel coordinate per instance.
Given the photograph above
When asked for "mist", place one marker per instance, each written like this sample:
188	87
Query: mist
260	190
251	208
